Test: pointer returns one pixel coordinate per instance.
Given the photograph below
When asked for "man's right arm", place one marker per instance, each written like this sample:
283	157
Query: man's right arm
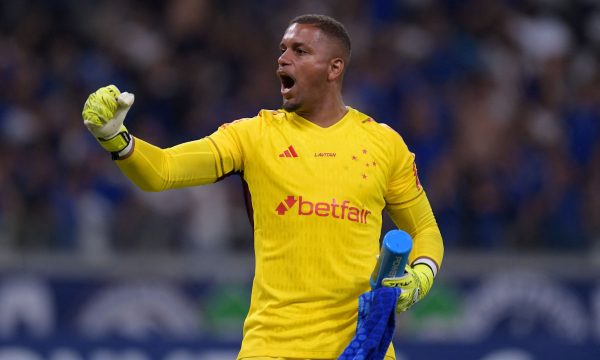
188	164
152	168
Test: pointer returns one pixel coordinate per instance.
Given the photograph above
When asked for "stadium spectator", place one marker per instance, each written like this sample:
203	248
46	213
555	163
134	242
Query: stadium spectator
498	99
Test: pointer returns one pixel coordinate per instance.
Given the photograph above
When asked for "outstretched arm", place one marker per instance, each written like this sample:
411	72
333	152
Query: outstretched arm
155	169
152	168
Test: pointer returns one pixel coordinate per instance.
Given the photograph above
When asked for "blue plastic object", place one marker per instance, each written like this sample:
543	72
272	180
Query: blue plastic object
395	248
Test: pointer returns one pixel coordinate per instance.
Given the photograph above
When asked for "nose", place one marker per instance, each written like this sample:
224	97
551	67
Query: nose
283	59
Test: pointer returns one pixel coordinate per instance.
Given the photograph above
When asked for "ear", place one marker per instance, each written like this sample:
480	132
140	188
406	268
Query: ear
336	69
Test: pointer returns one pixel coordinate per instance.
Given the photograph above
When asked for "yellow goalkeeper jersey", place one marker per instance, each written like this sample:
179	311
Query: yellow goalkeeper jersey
316	198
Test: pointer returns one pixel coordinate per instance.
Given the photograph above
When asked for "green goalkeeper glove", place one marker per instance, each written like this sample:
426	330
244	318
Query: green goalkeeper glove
103	115
415	284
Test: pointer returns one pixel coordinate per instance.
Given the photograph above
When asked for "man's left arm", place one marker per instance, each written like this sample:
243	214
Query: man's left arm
409	208
418	220
426	255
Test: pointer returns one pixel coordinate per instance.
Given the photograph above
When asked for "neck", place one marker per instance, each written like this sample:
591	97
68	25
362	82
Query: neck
327	112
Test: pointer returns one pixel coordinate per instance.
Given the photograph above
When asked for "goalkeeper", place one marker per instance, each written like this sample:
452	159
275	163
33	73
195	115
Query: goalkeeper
318	174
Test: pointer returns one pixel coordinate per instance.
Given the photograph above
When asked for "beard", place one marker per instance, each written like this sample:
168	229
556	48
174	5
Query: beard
290	106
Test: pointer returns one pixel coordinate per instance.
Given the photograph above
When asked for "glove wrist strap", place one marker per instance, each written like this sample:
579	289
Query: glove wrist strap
429	262
118	142
124	154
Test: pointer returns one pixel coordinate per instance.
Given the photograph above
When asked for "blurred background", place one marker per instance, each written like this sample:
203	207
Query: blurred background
499	99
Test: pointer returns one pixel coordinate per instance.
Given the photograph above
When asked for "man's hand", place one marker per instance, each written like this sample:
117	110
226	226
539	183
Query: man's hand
103	115
415	284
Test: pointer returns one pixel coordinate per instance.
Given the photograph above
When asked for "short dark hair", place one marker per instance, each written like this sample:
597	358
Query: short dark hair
330	27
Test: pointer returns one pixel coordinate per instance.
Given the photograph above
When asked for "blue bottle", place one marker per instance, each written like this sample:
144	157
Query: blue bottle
395	248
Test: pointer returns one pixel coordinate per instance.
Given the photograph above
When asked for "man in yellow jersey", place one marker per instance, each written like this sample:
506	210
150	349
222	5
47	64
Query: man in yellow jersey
319	175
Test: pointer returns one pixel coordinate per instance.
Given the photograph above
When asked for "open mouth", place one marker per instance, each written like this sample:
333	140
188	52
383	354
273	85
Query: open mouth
287	82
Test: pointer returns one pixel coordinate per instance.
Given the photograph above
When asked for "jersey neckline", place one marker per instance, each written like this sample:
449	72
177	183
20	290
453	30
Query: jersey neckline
307	124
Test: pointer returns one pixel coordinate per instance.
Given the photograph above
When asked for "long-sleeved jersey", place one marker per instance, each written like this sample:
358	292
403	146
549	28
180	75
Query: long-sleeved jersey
316	197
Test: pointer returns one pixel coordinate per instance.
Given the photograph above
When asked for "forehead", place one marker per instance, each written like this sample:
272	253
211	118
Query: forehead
303	33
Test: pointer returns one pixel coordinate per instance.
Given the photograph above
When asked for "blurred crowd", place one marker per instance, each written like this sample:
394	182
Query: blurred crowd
498	99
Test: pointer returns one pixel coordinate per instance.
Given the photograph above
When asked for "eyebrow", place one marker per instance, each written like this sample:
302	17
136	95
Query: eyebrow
294	44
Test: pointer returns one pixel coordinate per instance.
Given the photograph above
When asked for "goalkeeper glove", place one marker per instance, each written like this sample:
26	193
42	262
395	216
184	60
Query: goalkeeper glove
415	284
103	115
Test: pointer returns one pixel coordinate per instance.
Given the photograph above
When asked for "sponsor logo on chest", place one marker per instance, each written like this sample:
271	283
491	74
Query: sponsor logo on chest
340	210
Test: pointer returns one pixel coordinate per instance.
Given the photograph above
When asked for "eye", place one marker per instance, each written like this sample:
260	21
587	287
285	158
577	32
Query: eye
300	52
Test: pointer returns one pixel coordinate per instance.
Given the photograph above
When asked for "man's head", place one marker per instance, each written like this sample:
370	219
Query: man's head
314	52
